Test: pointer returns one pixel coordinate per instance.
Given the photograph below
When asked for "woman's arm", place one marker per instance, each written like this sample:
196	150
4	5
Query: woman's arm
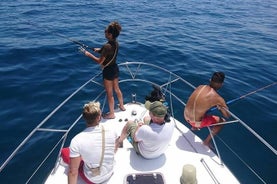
99	60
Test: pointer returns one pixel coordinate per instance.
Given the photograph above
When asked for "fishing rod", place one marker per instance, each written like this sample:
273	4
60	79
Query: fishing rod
243	96
72	40
58	34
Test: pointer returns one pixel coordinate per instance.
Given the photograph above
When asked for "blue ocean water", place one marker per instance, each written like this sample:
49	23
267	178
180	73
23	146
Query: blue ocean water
39	67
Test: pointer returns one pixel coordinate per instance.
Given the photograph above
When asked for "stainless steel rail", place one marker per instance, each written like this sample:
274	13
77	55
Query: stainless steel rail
130	73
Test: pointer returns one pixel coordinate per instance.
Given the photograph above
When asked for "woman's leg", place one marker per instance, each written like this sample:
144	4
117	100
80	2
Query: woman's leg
119	94
109	90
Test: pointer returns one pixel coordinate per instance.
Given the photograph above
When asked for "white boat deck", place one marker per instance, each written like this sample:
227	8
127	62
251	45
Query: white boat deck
180	152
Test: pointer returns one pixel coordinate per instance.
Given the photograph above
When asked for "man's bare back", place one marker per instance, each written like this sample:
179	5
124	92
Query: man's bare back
201	100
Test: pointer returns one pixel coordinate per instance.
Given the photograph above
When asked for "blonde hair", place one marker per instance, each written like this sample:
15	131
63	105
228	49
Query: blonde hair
91	111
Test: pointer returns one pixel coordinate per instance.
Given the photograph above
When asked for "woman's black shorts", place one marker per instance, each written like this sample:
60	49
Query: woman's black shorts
111	72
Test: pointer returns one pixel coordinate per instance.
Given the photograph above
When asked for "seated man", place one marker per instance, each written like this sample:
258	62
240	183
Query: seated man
151	137
92	151
201	100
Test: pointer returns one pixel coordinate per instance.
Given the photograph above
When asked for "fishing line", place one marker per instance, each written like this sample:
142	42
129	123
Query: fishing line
47	29
243	96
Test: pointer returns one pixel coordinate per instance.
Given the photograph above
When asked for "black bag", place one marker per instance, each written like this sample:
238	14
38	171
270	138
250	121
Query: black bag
157	95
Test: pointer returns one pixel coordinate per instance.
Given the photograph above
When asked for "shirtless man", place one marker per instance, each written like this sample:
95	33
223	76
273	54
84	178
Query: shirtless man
201	100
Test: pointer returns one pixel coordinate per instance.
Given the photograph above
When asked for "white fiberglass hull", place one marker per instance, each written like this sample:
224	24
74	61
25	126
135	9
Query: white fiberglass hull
185	148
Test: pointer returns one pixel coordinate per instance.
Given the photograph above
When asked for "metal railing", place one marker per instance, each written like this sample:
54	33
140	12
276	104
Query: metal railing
131	73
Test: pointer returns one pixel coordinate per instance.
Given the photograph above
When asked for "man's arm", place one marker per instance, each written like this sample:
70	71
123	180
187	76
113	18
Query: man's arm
222	106
139	125
73	170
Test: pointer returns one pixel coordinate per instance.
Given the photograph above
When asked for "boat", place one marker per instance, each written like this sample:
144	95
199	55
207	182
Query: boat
185	149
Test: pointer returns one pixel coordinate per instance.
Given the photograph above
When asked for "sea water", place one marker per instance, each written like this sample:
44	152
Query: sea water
40	65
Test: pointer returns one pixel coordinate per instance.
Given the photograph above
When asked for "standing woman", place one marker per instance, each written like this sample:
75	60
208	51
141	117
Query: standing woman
107	60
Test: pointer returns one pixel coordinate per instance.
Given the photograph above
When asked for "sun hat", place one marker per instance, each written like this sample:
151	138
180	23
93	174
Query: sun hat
188	175
157	108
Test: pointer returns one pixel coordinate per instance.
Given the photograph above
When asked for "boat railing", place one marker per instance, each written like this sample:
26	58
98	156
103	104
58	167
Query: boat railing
131	73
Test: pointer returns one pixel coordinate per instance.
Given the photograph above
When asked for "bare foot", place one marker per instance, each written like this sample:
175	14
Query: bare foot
208	144
194	128
108	116
122	108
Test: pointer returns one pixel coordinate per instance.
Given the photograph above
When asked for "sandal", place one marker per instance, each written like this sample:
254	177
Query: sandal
108	116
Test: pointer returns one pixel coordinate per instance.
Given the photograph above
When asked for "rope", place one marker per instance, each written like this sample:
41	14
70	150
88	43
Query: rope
252	170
